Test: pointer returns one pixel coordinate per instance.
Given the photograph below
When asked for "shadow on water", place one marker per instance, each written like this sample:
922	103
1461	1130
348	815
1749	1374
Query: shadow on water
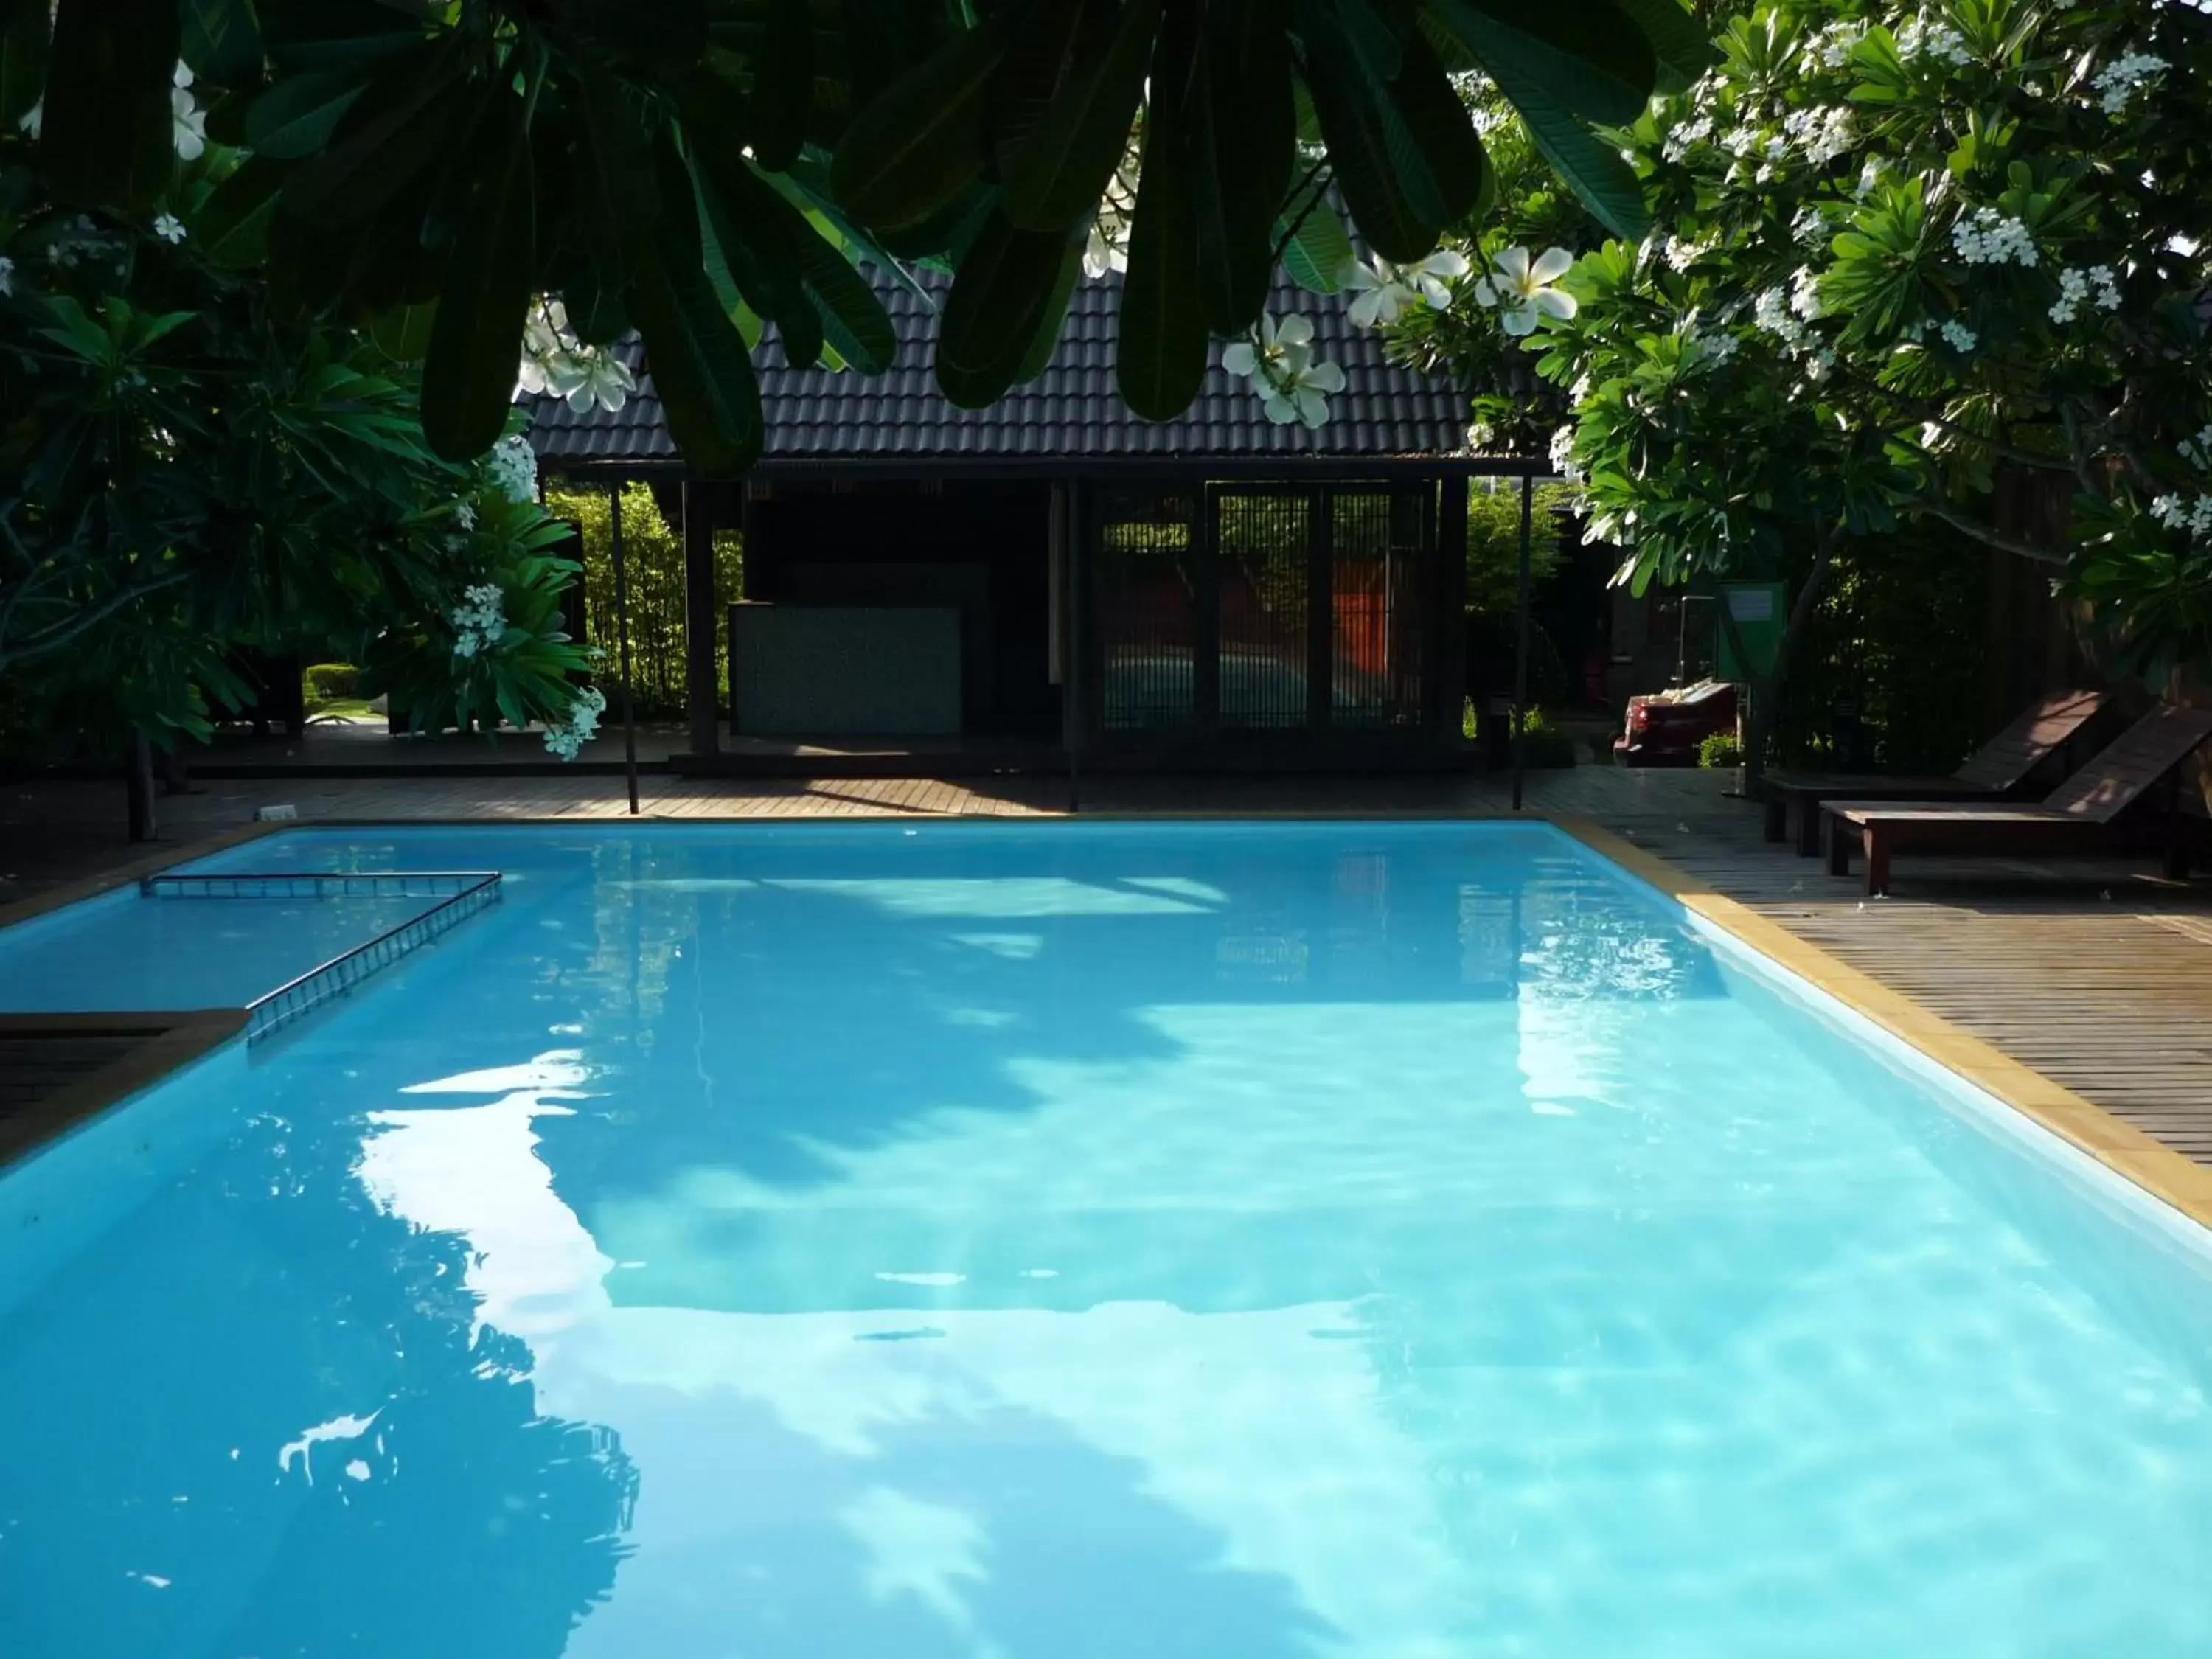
265	1424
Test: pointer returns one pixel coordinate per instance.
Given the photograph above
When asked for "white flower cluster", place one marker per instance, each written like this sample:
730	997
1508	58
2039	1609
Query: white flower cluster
2197	451
1563	455
479	620
1823	130
2176	513
188	122
1990	238
1920	36
556	363
2120	79
1771	314
1805	293
1682	254
512	469
1832	47
1958	337
1387	291
1704	350
1808	227
1279	358
1685	134
567	738
2073	290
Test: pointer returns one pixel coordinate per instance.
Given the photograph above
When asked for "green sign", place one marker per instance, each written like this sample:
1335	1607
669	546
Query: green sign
1758	608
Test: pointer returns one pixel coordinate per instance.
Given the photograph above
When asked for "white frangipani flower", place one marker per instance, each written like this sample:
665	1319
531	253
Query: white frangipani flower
1522	290
554	363
1386	291
189	120
1279	357
1958	337
169	227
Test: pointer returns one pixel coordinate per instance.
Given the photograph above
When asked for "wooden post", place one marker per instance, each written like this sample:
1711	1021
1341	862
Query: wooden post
621	631
1320	608
1075	696
1450	590
138	788
1520	642
701	699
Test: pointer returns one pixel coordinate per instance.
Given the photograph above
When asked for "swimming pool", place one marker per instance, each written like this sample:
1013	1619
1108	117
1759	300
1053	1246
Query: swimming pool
1213	1242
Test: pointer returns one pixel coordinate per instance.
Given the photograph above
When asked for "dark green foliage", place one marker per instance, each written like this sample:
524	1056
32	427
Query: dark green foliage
479	153
1900	636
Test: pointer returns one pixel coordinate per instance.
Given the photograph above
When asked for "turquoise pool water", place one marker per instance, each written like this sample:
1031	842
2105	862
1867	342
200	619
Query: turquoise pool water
1406	1241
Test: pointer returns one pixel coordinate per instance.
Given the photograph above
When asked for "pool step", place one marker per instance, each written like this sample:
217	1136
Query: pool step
459	895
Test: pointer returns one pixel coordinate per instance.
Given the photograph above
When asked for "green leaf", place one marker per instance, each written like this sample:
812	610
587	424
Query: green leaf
1043	41
1594	170
108	127
999	300
1057	176
341	37
232	230
1318	250
295	118
783	85
24	38
404	335
665	33
853	317
1238	158
620	191
1432	139
1359	145
222	41
1046	341
1159	357
1591	58
396	130
757	233
696	357
468	379
914	149
1679	46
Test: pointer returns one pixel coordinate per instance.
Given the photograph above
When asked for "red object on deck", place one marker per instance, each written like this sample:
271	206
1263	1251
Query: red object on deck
1664	728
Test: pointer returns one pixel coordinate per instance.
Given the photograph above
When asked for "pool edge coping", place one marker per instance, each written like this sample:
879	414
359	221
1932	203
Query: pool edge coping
2141	1157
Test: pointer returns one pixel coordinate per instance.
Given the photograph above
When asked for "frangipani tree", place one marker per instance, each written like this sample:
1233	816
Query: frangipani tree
433	169
1894	253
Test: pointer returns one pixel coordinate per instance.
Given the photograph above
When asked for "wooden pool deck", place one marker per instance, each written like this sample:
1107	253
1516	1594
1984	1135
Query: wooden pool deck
2094	974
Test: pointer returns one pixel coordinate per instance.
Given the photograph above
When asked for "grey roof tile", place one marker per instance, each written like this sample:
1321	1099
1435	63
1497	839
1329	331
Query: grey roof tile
1072	411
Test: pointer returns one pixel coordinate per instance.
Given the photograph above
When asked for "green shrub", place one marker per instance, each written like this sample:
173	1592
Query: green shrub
332	682
1721	749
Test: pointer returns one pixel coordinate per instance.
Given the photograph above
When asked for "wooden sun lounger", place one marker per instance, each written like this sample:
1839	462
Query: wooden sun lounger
2079	815
1995	770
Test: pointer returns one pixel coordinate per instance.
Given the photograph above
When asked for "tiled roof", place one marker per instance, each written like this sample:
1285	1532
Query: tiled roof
1072	411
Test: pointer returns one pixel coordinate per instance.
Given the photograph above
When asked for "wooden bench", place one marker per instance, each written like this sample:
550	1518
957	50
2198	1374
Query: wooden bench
1999	768
2080	816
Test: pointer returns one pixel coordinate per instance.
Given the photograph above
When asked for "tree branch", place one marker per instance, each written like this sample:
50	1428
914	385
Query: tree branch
62	632
1989	537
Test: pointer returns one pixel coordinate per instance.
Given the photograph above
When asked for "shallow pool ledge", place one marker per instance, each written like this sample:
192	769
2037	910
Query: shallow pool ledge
2147	1162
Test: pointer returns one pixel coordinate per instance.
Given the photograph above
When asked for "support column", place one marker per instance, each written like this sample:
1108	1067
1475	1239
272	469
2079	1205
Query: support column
702	698
1320	608
1450	588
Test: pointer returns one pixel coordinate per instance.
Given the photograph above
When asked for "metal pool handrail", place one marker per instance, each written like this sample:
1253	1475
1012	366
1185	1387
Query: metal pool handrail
344	884
471	891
